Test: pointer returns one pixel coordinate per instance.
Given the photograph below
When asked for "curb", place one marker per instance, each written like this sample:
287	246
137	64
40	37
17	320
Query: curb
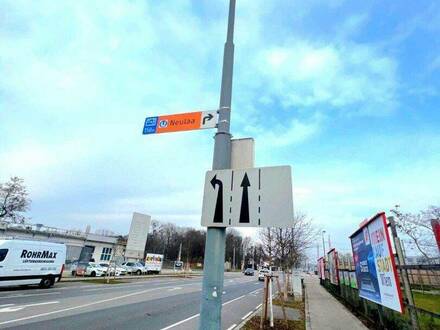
129	277
306	309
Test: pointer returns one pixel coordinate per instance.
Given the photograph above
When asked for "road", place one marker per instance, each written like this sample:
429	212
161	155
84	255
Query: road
166	303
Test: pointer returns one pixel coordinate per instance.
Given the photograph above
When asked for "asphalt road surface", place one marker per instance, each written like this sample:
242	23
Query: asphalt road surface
166	303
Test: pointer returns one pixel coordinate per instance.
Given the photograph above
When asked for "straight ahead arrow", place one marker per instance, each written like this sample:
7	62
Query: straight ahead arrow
244	210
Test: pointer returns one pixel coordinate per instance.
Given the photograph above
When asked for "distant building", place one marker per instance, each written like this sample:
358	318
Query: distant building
81	245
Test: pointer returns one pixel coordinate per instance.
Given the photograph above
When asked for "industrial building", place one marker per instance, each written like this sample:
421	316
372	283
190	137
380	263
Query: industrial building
81	245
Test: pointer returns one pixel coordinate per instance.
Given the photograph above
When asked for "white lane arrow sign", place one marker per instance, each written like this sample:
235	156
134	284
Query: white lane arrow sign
252	197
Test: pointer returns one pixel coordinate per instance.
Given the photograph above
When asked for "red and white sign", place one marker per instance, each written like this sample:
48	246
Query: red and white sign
436	228
321	268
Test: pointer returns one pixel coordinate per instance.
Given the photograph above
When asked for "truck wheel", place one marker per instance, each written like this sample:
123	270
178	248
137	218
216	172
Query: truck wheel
138	272
93	274
46	282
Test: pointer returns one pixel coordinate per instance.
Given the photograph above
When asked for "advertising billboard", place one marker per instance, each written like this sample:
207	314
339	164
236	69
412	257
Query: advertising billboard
374	264
353	281
321	269
346	278
332	257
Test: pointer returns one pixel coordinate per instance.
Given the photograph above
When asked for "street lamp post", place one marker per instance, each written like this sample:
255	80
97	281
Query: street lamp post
323	243
213	269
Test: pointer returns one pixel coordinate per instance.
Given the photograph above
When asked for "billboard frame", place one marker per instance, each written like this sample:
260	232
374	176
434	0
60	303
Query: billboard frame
365	224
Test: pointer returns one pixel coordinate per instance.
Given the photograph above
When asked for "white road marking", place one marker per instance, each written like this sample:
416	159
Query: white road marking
224	292
231	327
29	295
5	305
255	291
180	322
230	301
116	286
78	307
194	316
257	283
16	308
246	315
258	306
174	289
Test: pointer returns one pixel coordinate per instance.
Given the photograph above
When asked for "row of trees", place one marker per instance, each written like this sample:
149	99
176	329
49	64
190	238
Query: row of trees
277	246
287	247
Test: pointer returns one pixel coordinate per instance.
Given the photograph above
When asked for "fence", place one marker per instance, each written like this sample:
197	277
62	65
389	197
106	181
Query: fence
384	318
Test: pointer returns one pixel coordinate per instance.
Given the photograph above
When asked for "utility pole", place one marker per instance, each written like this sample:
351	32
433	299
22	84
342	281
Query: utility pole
323	243
213	268
404	274
233	258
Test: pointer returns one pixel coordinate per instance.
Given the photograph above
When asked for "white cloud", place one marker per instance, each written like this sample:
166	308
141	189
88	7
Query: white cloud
350	77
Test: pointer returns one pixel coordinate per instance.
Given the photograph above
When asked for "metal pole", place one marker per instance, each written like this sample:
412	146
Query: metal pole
180	252
213	270
233	259
406	284
323	243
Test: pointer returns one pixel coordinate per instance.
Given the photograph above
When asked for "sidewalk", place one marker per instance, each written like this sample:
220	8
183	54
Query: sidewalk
323	311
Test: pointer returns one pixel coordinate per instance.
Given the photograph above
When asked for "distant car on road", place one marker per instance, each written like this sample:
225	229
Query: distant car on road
263	272
249	272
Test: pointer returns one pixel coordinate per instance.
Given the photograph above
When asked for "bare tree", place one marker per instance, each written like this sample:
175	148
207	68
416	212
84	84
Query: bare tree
13	200
417	227
287	247
268	244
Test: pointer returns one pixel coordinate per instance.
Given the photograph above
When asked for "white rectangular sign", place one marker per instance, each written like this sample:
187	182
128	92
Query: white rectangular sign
252	197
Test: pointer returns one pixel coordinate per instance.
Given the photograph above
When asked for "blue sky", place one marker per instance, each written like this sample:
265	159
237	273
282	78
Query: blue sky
345	92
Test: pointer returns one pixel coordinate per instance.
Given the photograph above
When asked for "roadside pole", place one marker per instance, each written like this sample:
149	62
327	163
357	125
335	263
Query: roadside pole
405	279
213	272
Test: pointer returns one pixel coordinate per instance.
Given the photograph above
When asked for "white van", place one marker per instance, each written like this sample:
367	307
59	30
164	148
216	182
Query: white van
31	262
153	263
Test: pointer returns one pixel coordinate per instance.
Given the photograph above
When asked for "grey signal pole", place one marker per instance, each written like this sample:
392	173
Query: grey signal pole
213	269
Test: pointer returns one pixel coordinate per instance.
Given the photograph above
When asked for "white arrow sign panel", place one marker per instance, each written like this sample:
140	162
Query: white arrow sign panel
254	197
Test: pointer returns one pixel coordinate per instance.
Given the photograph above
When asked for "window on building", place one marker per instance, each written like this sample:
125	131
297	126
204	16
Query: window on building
106	254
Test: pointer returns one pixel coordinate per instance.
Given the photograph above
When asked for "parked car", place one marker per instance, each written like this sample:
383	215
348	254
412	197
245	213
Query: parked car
249	272
263	272
133	268
112	269
90	269
73	267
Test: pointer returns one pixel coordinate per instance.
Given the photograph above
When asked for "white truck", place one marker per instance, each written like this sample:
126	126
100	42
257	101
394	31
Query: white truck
153	263
31	262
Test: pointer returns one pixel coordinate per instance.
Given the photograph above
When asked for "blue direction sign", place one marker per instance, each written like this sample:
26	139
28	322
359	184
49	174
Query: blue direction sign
150	125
